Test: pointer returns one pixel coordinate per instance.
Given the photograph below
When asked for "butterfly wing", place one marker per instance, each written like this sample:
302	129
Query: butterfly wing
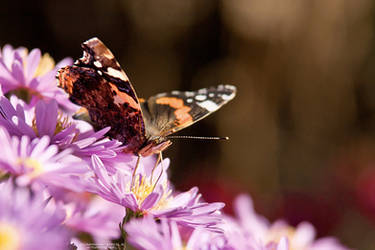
97	83
97	56
167	113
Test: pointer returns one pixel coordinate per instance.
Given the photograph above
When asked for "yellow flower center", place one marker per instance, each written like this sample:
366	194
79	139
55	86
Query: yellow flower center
164	201
31	164
144	187
9	237
46	64
275	234
62	123
141	188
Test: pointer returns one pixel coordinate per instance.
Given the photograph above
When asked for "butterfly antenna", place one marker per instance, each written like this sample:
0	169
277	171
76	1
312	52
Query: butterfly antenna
197	137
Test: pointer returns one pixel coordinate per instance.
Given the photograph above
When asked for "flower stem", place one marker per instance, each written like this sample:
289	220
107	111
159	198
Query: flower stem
128	215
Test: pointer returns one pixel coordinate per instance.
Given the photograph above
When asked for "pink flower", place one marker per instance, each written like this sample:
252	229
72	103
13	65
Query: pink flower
147	234
279	234
35	161
149	193
32	76
99	218
26	224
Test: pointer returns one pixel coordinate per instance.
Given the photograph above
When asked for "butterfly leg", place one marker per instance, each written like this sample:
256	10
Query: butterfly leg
135	170
160	158
156	164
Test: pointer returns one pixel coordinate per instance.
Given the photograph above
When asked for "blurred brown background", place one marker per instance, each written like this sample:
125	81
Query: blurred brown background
302	126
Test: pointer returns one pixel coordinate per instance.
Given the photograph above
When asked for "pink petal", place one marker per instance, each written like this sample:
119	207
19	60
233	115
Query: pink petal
283	244
46	116
32	63
150	201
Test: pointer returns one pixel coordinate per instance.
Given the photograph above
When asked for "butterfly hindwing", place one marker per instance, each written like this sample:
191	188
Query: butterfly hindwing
167	113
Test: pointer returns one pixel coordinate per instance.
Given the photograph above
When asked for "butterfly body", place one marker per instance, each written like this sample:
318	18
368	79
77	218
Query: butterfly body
97	83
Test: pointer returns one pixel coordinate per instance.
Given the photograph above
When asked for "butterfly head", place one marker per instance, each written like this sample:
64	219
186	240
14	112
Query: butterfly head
154	145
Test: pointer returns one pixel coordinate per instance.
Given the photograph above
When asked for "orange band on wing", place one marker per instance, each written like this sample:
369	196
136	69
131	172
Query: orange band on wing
121	98
181	112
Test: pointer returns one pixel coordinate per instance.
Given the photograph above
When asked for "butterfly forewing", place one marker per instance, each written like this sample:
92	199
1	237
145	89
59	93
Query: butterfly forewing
98	56
97	82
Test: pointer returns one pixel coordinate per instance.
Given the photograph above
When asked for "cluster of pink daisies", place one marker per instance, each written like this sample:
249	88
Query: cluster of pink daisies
66	186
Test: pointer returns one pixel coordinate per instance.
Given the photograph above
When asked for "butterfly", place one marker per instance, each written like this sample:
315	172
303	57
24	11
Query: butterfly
97	82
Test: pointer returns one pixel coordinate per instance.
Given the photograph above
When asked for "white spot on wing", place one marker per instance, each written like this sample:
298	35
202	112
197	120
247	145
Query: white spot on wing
189	93
202	91
189	100
175	92
231	87
99	72
220	88
98	64
227	97
209	105
116	73
161	94
211	95
200	97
